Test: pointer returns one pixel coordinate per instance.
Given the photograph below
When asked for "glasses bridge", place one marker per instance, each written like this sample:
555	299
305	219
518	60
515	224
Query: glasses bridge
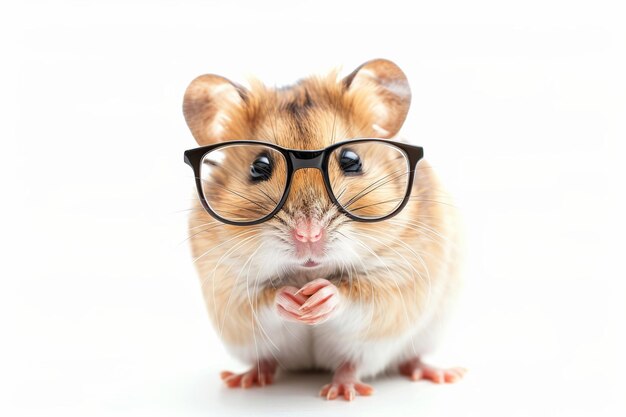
306	159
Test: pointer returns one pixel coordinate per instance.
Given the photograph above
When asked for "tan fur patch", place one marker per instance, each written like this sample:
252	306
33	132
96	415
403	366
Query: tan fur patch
311	115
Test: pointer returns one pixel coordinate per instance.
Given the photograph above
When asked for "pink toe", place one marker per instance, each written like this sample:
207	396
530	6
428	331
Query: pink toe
325	390
349	392
233	381
451	377
247	380
417	374
333	392
224	375
363	389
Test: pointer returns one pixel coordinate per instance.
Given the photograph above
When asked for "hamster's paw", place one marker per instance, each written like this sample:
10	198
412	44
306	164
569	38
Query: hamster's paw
415	369
346	384
322	302
288	303
261	375
314	303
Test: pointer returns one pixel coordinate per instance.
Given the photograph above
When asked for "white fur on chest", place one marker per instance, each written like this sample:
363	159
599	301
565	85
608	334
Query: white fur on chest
326	346
298	346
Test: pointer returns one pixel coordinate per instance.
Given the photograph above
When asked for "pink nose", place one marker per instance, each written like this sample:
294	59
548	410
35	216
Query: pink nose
308	231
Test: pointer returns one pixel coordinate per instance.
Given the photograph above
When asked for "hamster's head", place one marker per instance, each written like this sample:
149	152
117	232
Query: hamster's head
309	233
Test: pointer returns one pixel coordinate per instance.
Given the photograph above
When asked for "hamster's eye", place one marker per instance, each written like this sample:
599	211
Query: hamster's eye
261	168
350	162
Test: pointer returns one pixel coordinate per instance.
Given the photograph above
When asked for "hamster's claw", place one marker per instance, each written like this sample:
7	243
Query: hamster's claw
322	302
348	391
261	375
346	384
314	286
416	370
288	303
312	304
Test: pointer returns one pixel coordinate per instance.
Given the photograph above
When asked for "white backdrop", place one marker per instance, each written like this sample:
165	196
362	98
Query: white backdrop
521	107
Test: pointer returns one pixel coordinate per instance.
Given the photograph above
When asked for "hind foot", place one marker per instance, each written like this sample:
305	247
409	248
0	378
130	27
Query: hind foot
261	375
346	384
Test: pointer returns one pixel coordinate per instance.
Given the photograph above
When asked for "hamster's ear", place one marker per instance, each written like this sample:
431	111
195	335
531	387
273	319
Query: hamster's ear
208	102
392	95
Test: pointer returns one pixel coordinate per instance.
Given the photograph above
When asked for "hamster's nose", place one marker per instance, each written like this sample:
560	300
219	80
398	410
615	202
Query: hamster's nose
308	231
308	238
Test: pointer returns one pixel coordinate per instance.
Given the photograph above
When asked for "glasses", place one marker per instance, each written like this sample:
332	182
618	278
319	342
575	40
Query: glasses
247	182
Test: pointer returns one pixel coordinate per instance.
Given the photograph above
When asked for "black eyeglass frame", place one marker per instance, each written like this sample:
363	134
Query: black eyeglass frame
299	159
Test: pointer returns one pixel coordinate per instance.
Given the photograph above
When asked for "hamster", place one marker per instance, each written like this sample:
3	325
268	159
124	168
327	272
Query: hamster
311	288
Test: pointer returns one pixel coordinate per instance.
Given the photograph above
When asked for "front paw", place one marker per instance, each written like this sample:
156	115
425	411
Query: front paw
322	301
312	304
288	303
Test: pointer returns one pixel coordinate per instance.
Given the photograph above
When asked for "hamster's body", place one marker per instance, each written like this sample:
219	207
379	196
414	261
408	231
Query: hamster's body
382	290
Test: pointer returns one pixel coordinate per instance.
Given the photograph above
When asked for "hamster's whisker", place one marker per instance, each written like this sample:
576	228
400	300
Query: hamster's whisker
225	242
377	204
267	195
234	175
367	274
356	276
253	210
351	280
254	317
418	256
338	196
282	323
423	227
358	195
212	276
187	210
391	239
259	204
354	200
415	286
392	277
424	233
212	226
205	224
429	228
390	201
417	253
343	264
230	296
224	257
426	200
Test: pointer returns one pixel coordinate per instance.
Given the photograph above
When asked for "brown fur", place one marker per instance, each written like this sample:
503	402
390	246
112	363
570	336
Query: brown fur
312	114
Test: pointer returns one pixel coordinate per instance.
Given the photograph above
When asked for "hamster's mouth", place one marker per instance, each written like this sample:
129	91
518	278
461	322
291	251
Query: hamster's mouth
310	263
